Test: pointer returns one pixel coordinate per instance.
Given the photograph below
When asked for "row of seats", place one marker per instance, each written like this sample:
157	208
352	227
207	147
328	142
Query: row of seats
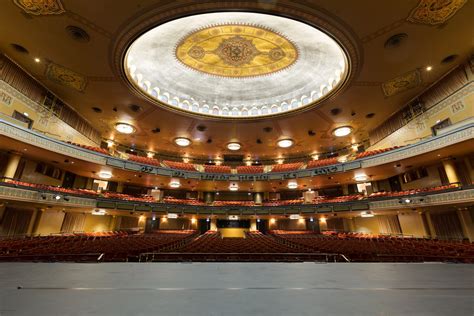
375	152
217	169
321	162
92	148
116	247
128	197
373	248
412	191
179	165
44	187
172	200
286	167
250	169
145	160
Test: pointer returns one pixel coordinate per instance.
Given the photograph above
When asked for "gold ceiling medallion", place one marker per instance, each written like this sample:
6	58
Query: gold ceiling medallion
434	12
40	7
402	83
236	51
65	77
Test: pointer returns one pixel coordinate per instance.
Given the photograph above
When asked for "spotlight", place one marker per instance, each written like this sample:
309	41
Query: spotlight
207	219
182	141
57	197
285	143
258	220
125	128
342	131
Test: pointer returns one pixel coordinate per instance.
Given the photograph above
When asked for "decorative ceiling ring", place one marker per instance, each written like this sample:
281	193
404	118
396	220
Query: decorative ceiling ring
312	16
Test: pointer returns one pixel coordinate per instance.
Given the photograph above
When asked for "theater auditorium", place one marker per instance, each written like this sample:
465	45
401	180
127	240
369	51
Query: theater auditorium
267	157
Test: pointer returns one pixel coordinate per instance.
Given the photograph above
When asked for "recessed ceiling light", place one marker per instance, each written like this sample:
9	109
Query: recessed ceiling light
124	128
233	146
233	187
175	184
37	60
285	143
182	141
105	174
429	68
26	114
360	177
292	185
342	131
366	214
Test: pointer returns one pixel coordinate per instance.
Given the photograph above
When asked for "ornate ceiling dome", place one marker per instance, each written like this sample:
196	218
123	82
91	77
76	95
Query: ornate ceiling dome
236	65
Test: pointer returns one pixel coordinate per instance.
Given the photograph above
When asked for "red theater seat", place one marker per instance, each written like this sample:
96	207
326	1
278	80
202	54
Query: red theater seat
286	167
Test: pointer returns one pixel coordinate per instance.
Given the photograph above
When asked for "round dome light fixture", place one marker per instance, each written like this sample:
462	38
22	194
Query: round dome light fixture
234	146
105	174
360	177
182	141
233	187
125	128
285	143
342	131
175	183
292	185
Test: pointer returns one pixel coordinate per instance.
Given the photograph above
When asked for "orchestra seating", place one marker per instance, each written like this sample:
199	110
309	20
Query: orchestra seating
250	169
217	169
92	148
285	167
144	160
321	163
116	246
375	152
179	165
379	248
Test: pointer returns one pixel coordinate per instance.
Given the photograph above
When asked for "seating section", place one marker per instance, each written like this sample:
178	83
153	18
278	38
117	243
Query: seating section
412	192
172	200
255	242
117	246
127	197
377	248
233	203
321	163
217	169
375	152
250	169
92	148
144	160
283	202
179	165
44	187
285	167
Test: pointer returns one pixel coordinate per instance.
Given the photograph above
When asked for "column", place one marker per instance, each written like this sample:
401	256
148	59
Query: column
33	222
430	229
213	224
258	197
467	223
450	169
323	225
253	224
209	197
141	223
345	189
12	165
119	187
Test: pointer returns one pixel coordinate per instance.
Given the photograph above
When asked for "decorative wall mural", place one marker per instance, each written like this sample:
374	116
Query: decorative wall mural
40	7
402	83
236	51
65	76
434	12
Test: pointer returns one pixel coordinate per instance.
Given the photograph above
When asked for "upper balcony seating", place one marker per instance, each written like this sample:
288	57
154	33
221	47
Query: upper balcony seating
286	167
374	248
172	200
96	149
233	203
250	169
321	162
145	160
412	192
374	152
217	169
126	197
44	187
117	246
283	202
179	165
